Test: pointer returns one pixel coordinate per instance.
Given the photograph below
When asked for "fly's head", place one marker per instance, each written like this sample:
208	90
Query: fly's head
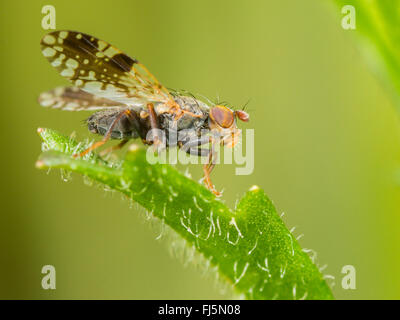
222	122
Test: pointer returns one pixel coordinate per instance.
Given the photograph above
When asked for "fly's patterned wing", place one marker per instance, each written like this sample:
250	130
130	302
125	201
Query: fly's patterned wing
101	69
75	99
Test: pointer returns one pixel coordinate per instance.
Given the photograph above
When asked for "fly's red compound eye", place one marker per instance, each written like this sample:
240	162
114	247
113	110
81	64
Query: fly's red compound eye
222	116
242	115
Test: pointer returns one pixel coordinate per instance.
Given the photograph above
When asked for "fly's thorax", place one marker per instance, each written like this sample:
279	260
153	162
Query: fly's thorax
187	120
181	127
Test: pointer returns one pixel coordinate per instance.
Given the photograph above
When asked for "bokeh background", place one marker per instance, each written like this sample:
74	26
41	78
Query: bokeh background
327	145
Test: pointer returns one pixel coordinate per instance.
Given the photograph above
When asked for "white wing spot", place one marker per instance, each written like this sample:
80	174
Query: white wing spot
49	52
63	34
57	62
67	73
72	63
46	102
59	49
48	39
91	76
101	45
93	85
71	105
110	52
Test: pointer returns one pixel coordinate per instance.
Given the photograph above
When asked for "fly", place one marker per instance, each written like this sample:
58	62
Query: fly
130	102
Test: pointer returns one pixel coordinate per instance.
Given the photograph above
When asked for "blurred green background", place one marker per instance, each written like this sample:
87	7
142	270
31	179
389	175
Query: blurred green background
327	145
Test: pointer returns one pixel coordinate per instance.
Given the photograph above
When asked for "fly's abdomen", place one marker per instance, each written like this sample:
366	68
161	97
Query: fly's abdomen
127	127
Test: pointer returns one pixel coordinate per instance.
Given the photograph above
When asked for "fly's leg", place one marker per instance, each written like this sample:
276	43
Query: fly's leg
114	148
200	152
106	137
193	147
134	119
157	140
152	116
207	168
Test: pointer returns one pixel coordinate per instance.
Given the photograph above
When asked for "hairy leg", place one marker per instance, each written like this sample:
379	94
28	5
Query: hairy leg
193	147
207	168
157	140
194	144
114	148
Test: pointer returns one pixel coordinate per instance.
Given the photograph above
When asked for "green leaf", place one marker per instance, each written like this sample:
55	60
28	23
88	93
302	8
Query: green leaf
251	248
378	32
